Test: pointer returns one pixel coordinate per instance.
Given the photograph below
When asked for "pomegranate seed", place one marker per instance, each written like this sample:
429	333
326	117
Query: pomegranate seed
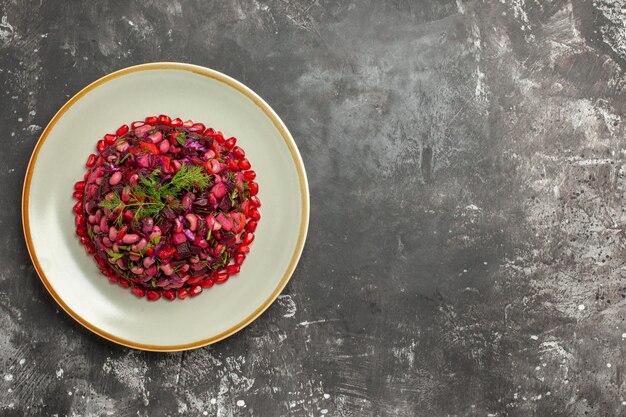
244	164
151	120
113	279
221	277
255	215
153	295
91	161
243	249
254	188
254	200
121	233
230	142
122	130
195	290
209	132
249	175
90	249
251	226
194	280
109	139
100	145
238	152
165	252
149	252
81	232
87	174
79	186
79	220
164	120
78	207
197	127
139	292
77	195
176	122
232	165
169	294
217	249
84	240
207	283
124	283
135	125
239	258
233	269
248	238
182	293
219	137
187	124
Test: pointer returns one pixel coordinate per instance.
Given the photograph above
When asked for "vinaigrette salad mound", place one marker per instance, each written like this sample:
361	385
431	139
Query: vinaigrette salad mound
167	208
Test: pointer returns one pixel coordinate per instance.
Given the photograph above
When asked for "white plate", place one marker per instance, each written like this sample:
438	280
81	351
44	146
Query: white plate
58	161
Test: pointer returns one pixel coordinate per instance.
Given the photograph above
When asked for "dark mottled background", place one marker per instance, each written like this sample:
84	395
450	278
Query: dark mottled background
466	252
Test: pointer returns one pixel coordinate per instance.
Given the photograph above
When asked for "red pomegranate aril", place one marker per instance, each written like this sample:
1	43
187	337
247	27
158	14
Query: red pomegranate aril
239	258
209	132
100	145
77	194
78	207
183	293
249	175
91	161
81	232
248	238
233	269
254	188
243	249
124	283
79	220
232	164
255	215
165	120
153	295
251	226
221	277
84	240
79	186
177	122
109	139
139	292
254	200
238	152
122	130
151	120
121	233
197	127
187	124
230	142
207	283
135	125
169	295
244	164
166	252
90	249
219	137
195	291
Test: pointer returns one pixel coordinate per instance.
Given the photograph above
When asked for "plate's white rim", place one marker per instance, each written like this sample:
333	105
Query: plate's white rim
302	179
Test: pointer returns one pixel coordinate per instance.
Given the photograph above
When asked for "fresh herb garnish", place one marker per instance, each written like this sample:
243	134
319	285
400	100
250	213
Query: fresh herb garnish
181	138
148	198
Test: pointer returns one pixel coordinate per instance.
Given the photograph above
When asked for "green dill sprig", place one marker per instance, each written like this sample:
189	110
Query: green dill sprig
149	196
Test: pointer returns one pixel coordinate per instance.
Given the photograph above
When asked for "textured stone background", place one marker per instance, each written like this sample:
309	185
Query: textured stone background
466	253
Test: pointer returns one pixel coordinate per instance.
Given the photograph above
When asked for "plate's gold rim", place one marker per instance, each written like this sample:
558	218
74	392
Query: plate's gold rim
304	190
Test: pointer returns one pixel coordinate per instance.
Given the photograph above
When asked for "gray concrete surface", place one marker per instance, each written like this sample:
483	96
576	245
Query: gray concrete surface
466	253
